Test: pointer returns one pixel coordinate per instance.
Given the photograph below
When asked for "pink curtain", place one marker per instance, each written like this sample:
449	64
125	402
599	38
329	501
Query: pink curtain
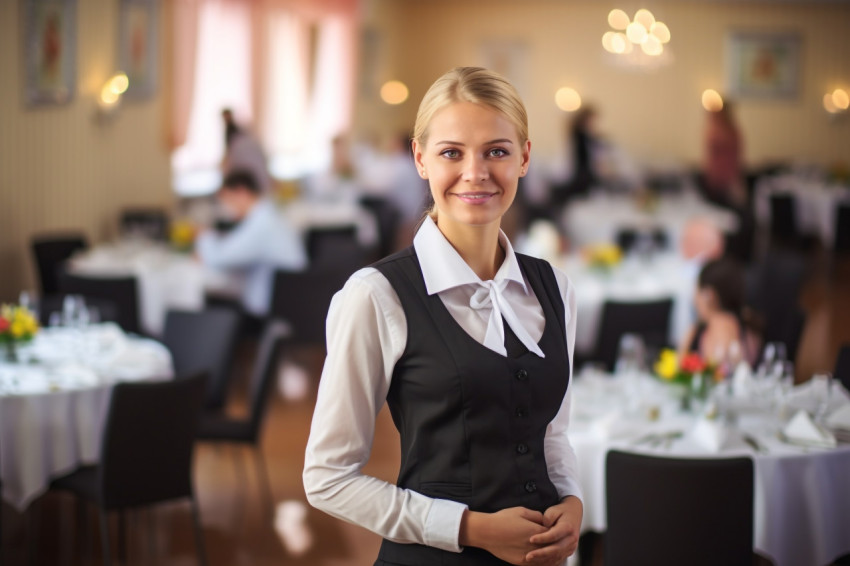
184	18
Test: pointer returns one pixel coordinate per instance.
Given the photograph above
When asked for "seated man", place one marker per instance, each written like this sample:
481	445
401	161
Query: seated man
261	242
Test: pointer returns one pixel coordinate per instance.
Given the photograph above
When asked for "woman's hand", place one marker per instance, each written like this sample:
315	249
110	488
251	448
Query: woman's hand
506	534
563	522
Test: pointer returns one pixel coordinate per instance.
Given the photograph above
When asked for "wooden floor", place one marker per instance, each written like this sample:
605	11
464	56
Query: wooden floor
237	526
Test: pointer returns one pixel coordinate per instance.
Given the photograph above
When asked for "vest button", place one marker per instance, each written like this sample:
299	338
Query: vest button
522	375
520	412
521	448
530	486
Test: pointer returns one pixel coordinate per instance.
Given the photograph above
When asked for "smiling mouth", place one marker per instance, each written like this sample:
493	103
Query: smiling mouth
474	196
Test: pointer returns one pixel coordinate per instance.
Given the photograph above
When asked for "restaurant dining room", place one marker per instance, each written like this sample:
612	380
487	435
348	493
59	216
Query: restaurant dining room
233	234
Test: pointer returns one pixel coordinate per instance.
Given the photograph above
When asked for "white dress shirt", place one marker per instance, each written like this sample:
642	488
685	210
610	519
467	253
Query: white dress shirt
261	243
366	336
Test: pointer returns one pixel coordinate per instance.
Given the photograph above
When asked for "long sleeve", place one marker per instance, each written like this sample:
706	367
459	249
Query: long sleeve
366	335
560	456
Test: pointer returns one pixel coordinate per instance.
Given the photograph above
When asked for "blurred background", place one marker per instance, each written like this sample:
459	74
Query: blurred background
665	134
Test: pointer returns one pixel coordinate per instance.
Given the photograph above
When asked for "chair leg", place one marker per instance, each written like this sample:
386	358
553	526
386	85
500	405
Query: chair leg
104	537
122	536
199	533
263	482
239	468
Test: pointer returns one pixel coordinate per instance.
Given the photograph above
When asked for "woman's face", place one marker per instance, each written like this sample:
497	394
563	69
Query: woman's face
473	161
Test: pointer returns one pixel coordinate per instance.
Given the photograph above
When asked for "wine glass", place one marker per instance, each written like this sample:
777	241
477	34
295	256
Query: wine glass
822	387
631	354
773	353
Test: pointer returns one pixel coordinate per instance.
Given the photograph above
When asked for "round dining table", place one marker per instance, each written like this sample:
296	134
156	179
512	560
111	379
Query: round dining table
802	492
54	399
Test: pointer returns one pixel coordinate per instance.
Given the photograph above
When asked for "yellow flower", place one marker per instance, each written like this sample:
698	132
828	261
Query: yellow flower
182	233
18	329
668	364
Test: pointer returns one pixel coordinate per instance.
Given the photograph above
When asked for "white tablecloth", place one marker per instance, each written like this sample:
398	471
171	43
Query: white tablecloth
166	279
634	279
598	218
306	214
816	202
52	407
802	495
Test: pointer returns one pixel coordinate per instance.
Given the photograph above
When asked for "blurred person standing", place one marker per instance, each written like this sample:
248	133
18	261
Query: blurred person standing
260	243
723	177
243	152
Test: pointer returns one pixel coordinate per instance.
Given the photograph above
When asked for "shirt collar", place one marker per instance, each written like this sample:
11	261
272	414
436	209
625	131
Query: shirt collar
443	268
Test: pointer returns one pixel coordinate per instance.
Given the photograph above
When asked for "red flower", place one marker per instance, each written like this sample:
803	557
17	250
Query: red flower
693	363
4	324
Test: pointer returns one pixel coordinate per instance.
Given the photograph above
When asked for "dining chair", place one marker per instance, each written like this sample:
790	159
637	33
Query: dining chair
121	291
50	251
247	431
842	366
673	511
842	228
648	319
387	217
204	341
302	298
336	245
146	453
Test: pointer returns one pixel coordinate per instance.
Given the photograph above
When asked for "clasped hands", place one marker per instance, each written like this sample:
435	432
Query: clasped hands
524	537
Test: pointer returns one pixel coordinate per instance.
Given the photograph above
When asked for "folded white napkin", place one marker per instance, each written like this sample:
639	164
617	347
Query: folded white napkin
801	429
712	435
839	418
742	380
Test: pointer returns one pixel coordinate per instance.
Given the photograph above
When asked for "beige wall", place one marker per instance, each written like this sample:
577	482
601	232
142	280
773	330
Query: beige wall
59	167
655	116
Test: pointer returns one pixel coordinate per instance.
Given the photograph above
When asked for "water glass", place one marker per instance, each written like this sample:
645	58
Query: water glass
822	387
631	355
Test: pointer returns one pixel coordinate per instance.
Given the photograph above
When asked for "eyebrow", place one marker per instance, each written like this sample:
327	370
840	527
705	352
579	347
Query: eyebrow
449	142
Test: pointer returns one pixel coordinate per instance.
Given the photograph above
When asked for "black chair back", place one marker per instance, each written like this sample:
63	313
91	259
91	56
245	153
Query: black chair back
388	217
773	290
50	252
335	246
264	372
842	366
783	217
842	228
674	511
148	223
148	440
302	298
789	331
204	341
120	291
649	319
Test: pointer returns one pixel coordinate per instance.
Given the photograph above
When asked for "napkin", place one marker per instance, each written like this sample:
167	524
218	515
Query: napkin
742	380
612	425
712	435
802	430
840	418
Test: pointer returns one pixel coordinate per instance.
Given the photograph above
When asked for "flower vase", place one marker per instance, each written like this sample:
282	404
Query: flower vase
11	351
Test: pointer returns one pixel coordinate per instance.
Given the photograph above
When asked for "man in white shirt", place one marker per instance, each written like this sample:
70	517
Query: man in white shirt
262	242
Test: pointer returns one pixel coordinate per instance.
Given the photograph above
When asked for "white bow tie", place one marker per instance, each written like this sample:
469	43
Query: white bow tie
489	293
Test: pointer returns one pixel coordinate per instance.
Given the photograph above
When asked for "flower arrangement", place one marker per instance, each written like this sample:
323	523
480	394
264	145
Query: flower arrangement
692	372
182	235
17	325
602	257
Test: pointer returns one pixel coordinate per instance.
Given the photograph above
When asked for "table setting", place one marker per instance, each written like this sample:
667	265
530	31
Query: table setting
797	435
54	394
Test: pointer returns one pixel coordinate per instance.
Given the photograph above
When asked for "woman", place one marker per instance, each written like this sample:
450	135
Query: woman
721	335
470	346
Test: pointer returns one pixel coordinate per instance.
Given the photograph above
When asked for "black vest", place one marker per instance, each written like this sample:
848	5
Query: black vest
472	422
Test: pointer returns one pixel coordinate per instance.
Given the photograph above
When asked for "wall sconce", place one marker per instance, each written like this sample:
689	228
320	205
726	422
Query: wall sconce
712	101
110	95
394	92
568	99
836	102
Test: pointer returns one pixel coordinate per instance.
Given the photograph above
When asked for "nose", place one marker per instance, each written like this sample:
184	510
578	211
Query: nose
475	170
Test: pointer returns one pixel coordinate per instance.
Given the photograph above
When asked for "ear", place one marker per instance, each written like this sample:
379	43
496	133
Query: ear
526	156
417	158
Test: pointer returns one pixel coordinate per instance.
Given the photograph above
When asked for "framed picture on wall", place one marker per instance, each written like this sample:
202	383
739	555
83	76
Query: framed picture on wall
50	52
763	64
137	50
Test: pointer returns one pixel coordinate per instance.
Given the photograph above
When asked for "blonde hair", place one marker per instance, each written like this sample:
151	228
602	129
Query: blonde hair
476	85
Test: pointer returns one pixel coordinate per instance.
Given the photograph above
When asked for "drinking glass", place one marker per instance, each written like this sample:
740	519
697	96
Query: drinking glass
631	355
822	387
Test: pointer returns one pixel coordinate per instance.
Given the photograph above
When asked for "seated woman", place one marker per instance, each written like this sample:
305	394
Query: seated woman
723	333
